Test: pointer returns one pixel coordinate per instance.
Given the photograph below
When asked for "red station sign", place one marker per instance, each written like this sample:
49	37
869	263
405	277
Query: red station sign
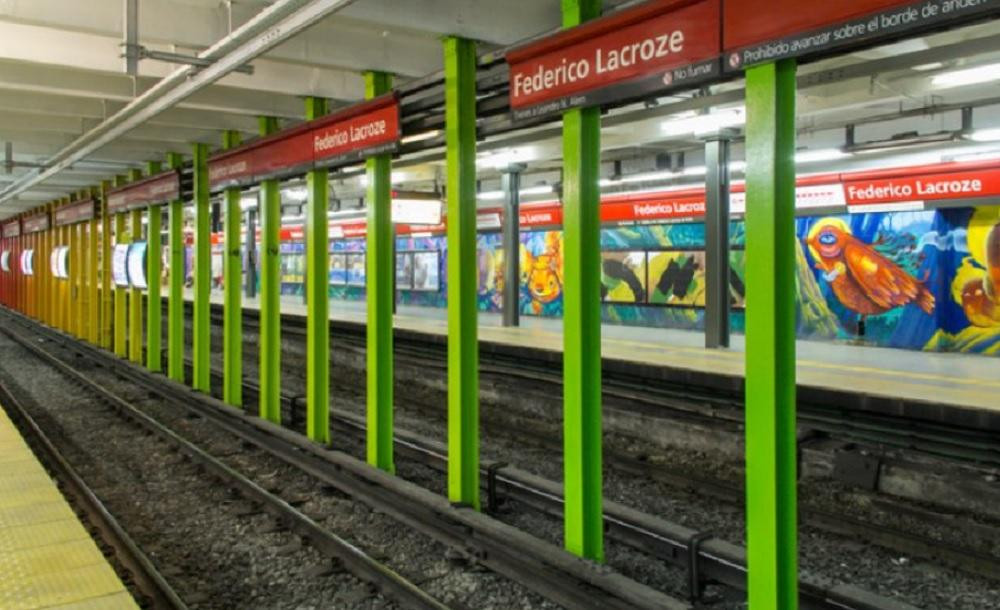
758	32
12	229
76	212
160	188
930	187
365	129
659	45
36	223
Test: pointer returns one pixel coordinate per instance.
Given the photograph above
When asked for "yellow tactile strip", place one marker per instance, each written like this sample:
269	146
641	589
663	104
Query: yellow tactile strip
47	559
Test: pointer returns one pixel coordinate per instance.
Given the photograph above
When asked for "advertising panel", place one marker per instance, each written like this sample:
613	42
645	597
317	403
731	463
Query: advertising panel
356	274
654	46
119	265
28	262
5	261
136	262
404	271
81	211
426	271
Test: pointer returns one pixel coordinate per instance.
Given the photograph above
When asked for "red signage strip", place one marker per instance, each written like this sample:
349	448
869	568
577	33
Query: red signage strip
933	187
12	229
36	223
74	213
655	46
365	129
161	188
758	32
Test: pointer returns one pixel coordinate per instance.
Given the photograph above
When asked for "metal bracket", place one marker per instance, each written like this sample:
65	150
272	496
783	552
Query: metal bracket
696	584
492	501
140	52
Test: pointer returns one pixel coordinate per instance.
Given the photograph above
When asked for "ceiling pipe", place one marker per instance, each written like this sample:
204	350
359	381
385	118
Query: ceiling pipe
267	29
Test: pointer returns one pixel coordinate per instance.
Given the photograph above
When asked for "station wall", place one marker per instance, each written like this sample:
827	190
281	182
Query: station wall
922	280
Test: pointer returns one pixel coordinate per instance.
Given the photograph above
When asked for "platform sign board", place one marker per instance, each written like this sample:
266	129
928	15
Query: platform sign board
12	229
136	263
919	188
362	130
758	32
654	47
28	262
36	223
5	261
119	265
74	213
161	188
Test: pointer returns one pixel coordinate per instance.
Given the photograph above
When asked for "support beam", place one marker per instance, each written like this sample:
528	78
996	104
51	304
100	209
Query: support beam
270	293
106	299
583	512
202	343
135	294
717	242
511	185
318	295
381	294
770	337
154	305
463	346
232	304
175	290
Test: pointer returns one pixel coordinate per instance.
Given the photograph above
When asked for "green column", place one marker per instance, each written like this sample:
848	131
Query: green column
232	324
770	336
381	294
175	289
317	296
583	520
121	315
463	357
154	307
135	294
201	350
270	292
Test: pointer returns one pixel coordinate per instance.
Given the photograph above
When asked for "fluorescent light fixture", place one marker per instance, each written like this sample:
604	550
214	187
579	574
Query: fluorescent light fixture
648	176
822	154
928	67
607	182
420	137
985	135
293	218
541	189
967	76
737	166
248	203
702	124
697	170
503	158
490	196
297	193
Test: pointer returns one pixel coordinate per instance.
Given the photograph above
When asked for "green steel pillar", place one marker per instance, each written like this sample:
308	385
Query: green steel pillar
317	296
270	292
135	294
121	317
770	336
154	307
175	288
201	350
232	324
463	345
381	295
583	518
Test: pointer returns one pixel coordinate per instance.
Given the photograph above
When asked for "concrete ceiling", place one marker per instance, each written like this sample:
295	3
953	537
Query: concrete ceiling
61	74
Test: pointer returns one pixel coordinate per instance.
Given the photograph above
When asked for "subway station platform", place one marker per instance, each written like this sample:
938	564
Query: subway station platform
47	558
947	388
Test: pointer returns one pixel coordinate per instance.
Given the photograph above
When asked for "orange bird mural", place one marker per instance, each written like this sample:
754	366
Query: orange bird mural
863	280
980	296
544	272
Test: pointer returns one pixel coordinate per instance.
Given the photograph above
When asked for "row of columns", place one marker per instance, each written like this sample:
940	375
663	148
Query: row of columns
770	374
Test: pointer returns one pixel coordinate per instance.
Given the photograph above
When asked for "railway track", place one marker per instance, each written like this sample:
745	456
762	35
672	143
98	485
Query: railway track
706	558
505	550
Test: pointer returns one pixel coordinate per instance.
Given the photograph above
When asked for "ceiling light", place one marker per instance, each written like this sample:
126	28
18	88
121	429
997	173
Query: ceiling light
703	124
504	158
968	76
985	135
649	176
541	189
737	166
420	137
697	170
298	193
607	182
928	67
823	154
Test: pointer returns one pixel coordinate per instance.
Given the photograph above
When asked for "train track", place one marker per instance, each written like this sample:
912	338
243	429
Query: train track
151	589
503	549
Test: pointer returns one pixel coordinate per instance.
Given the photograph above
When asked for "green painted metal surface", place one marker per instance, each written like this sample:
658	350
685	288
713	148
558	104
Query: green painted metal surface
770	337
381	295
175	286
202	342
463	269
583	511
317	295
154	305
232	301
270	292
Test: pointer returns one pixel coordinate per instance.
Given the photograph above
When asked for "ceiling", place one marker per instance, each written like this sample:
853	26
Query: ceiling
62	74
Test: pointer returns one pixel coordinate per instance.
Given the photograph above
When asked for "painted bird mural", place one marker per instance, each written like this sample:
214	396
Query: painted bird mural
863	280
981	295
